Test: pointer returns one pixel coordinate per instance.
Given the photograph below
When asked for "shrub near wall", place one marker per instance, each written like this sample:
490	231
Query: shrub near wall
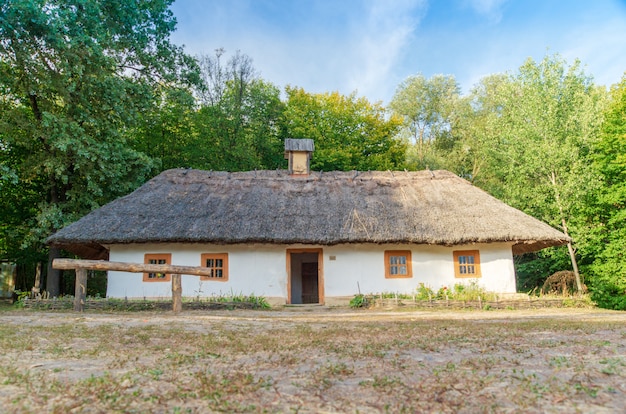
467	296
110	304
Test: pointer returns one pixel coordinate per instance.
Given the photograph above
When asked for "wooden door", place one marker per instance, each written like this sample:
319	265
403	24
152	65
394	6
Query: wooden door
310	286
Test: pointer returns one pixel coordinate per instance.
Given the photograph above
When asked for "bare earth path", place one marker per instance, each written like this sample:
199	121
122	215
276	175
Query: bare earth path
314	360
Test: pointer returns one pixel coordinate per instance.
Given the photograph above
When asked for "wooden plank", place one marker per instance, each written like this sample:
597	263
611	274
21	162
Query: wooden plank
67	264
80	291
177	293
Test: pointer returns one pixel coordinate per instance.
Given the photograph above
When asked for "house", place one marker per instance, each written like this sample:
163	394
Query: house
299	236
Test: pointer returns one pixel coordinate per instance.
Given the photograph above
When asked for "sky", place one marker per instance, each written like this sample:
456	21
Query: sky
369	47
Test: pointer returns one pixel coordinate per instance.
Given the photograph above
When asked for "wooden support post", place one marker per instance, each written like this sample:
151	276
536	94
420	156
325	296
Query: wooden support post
37	286
177	293
80	291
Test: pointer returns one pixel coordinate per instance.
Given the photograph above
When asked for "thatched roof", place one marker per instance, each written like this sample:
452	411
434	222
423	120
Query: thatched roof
192	206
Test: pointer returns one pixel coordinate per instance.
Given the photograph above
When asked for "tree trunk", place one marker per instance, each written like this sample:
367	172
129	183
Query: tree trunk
572	256
53	279
570	247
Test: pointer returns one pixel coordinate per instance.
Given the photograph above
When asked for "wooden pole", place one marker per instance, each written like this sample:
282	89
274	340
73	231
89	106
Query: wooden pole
37	286
177	293
80	291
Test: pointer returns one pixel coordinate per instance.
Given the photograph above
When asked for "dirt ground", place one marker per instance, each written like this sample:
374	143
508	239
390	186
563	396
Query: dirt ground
314	359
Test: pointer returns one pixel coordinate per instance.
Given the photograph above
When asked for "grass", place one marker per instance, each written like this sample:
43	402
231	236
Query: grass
270	361
223	301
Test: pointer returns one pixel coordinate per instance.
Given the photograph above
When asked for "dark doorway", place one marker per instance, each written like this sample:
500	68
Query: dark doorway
305	282
310	292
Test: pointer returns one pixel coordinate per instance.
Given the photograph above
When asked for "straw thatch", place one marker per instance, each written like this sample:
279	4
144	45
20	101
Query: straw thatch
192	206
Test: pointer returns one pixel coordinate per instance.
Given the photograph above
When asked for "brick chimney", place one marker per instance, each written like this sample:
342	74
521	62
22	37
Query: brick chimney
298	152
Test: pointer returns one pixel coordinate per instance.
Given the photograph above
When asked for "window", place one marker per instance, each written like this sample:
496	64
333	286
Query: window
398	264
218	263
164	258
466	263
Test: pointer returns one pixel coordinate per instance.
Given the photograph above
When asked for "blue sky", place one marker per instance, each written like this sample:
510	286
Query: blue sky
370	47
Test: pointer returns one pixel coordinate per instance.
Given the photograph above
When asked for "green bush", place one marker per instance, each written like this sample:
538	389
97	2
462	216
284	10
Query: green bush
460	291
21	296
358	301
609	296
424	292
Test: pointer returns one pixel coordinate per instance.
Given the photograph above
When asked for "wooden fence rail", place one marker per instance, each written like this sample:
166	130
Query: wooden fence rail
81	267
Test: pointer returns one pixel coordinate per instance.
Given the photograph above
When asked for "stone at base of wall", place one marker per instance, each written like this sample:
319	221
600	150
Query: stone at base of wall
328	301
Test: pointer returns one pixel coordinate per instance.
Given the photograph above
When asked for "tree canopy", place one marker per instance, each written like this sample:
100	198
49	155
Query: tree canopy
427	108
75	76
350	133
608	209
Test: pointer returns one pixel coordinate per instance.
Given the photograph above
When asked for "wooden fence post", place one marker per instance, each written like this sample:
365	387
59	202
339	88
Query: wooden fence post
80	291
177	293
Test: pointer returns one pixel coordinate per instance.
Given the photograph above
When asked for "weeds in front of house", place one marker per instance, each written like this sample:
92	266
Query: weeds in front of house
468	295
222	301
359	301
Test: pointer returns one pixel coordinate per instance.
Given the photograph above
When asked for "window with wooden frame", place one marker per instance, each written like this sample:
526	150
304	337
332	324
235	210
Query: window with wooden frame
398	264
466	263
160	258
218	263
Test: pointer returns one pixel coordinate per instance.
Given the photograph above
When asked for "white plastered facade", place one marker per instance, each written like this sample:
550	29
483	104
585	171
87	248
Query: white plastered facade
344	270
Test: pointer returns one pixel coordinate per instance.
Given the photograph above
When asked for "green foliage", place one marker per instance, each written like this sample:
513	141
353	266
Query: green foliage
243	131
75	78
229	301
350	133
257	301
424	292
470	151
533	133
21	296
533	269
359	301
233	121
548	121
608	295
471	291
608	235
427	108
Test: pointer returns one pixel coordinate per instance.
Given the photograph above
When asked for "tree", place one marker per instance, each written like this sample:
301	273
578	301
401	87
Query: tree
167	132
239	70
547	119
609	236
427	107
471	150
239	123
349	132
75	76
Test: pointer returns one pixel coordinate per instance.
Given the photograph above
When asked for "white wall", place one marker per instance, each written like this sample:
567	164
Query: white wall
432	266
261	270
256	269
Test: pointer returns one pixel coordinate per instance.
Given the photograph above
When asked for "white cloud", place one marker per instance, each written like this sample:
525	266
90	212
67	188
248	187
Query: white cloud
330	46
379	44
372	45
492	9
